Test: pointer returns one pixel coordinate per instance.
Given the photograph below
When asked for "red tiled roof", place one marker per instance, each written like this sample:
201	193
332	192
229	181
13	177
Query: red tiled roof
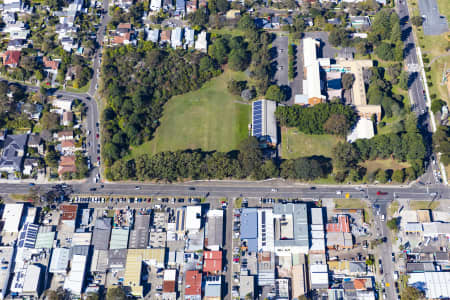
124	26
69	211
11	58
68	116
193	284
168	286
165	35
121	39
341	226
67	161
359	284
67	144
50	64
212	261
65	133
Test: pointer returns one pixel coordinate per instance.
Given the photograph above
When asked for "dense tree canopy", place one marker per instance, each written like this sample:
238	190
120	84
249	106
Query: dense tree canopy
311	120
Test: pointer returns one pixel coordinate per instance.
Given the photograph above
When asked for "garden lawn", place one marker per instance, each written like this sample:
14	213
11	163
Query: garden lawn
210	118
297	144
383	164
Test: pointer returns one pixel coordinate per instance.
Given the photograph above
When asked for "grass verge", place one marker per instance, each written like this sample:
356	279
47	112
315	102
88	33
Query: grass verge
416	205
354	204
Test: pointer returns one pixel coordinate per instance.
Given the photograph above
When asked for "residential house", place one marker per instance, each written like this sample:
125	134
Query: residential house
67	118
11	58
191	6
67	165
17	44
30	164
189	37
68	147
155	5
153	35
35	142
63	104
12	6
50	66
165	37
13	152
32	110
202	44
233	14
177	37
180	8
65	135
71	73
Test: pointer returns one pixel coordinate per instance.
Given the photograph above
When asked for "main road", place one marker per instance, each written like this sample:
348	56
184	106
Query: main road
244	189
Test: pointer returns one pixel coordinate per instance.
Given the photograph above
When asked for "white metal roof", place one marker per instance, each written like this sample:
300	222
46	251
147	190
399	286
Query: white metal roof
316	216
12	215
74	282
60	260
436	285
170	275
32	278
193	217
309	50
363	130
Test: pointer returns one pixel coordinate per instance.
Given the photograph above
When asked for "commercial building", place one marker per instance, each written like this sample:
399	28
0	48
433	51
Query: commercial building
193	285
117	259
119	238
299	276
101	234
435	285
265	230
266	269
99	263
249	229
212	262
264	123
169	284
139	235
215	229
12	217
6	257
75	281
133	269
317	232
59	260
291	229
69	214
32	285
247	286
213	288
27	236
318	276
193	218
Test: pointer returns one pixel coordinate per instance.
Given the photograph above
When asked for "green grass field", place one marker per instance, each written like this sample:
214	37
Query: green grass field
210	118
384	164
297	144
415	205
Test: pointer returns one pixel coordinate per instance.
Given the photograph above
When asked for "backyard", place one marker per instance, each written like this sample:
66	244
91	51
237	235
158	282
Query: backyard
210	118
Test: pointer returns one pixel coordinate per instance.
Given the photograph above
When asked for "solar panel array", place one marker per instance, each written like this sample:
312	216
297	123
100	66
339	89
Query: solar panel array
28	235
257	119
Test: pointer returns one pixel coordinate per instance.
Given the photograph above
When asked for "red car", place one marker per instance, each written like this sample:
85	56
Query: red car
97	136
98	158
380	193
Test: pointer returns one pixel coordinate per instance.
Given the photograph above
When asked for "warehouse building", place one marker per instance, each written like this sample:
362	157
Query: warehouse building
69	214
119	238
12	217
215	229
435	285
6	256
59	260
139	235
101	234
75	281
291	229
264	123
265	230
249	229
193	218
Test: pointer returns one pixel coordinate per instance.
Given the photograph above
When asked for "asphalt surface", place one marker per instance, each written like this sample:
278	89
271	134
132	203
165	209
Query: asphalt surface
244	189
385	250
282	60
433	22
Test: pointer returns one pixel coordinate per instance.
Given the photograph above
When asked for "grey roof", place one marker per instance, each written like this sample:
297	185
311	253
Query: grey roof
34	140
139	235
442	256
117	258
12	153
215	231
249	223
79	250
300	223
180	6
357	267
102	233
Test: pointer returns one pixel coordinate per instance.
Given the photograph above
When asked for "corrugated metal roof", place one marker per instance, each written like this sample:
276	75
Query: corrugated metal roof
119	238
45	240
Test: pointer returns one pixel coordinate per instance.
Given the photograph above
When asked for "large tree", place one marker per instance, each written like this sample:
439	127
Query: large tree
336	124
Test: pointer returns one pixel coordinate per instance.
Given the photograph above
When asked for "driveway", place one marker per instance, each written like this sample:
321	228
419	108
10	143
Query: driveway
434	23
